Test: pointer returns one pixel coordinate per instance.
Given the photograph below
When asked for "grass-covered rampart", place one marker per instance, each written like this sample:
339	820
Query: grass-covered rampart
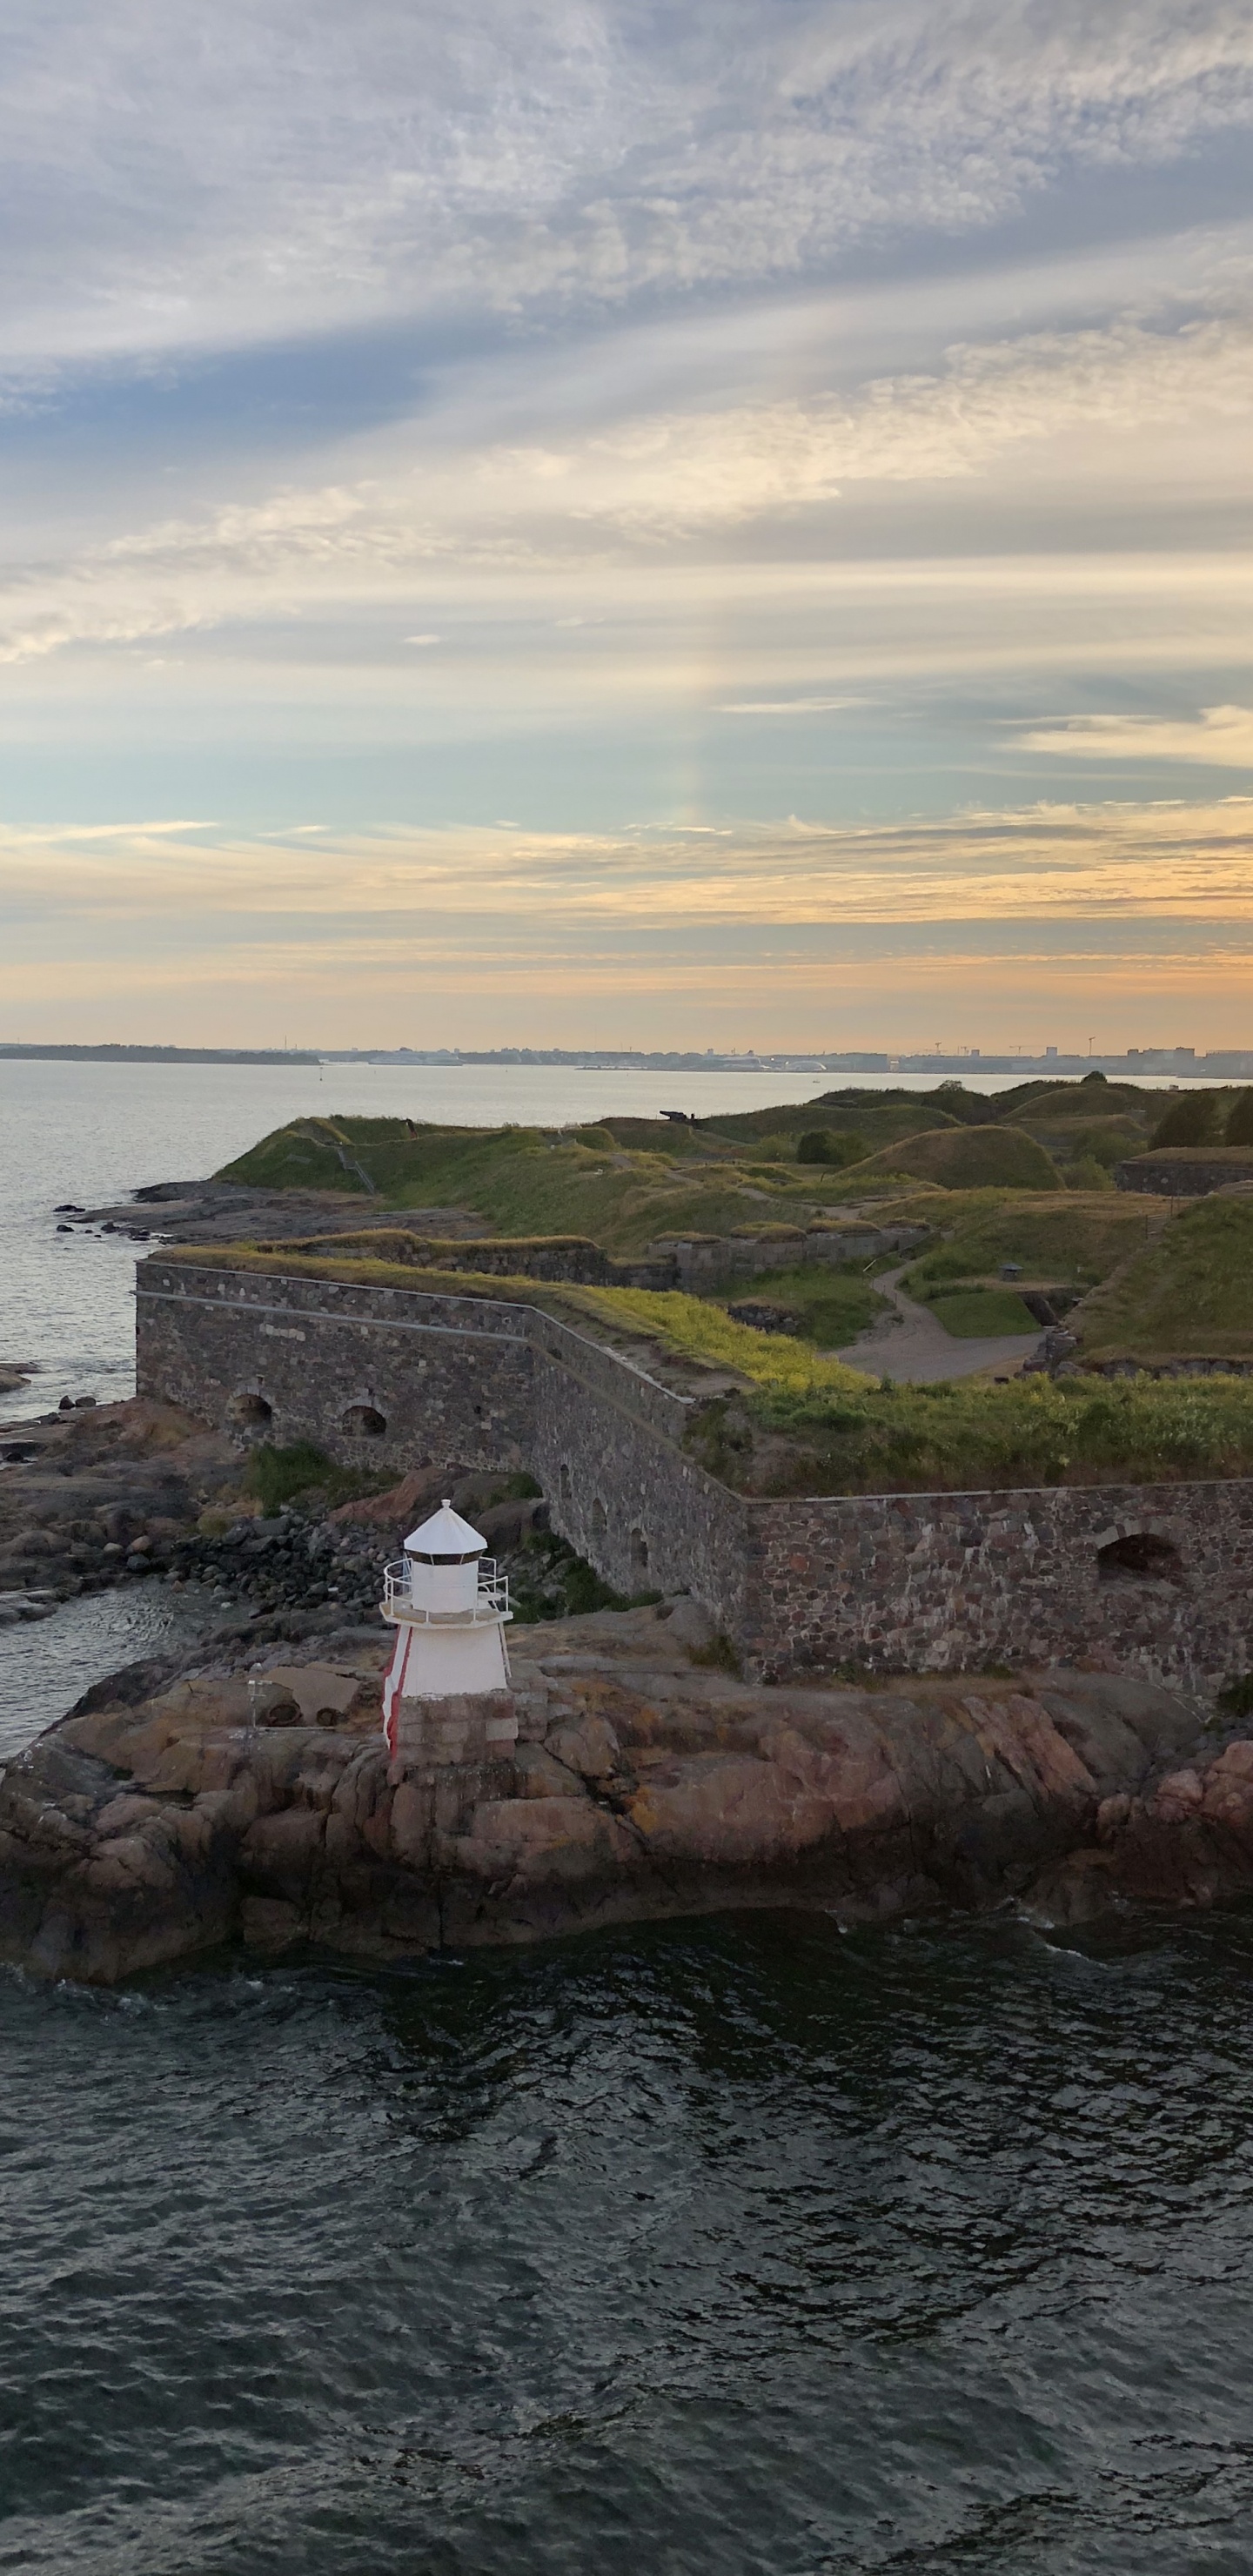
525	1181
1072	1240
967	1437
801	1423
1186	1293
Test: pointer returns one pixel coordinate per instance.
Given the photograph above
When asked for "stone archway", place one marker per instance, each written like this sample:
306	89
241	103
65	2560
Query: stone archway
364	1422
250	1411
1139	1556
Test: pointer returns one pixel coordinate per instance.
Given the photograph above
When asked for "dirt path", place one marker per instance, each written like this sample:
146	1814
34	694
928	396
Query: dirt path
911	1345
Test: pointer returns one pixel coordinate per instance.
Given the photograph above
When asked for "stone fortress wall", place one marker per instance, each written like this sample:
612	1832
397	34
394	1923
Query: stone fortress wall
1153	1579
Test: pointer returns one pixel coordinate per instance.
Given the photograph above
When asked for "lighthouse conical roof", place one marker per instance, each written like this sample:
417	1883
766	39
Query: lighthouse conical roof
445	1534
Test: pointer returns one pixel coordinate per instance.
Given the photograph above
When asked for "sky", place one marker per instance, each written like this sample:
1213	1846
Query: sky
563	524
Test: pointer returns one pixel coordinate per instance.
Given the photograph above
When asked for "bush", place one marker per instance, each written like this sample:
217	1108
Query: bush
1240	1120
1088	1174
276	1476
830	1145
1190	1121
279	1476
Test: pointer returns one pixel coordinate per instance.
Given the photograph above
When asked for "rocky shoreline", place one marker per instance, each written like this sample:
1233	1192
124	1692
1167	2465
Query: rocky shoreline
246	1796
242	1792
212	1211
138	1491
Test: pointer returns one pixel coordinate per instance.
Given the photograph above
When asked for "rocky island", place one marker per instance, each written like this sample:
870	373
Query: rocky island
255	1800
787	1635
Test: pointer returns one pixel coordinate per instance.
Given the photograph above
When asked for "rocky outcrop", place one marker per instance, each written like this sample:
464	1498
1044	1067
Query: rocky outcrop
172	1812
88	1496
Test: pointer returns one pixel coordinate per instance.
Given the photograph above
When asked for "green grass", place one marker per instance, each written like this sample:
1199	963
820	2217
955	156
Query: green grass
1189	1294
867	1114
695	1328
830	1306
1104	1140
832	1429
278	1476
522	1181
971	1314
969	1437
1062	1240
848	1434
969	1158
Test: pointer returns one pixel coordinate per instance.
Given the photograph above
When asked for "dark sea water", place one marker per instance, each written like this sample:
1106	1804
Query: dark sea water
735	2247
728	2249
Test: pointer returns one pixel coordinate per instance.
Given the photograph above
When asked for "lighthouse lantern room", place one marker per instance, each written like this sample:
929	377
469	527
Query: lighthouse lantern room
450	1607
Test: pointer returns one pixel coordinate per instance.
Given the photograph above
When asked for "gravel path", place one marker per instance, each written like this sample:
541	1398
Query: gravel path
911	1345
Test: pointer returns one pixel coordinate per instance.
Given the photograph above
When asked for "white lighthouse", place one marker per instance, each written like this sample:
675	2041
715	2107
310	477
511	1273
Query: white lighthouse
450	1607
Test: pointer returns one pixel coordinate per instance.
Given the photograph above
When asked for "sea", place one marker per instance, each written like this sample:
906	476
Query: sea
738	2247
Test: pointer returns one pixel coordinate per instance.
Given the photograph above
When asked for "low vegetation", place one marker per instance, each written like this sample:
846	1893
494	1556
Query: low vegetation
304	1473
792	1420
827	1306
970	1158
1067	1240
972	1314
697	1329
1187	1294
1194	1119
528	1181
969	1437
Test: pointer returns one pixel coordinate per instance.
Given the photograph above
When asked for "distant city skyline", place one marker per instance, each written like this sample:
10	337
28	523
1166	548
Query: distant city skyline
1167	1063
616	519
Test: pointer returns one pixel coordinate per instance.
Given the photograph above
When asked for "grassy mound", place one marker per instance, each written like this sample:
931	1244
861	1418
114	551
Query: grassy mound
527	1181
1187	1295
1062	1240
970	1158
1072	1140
867	1113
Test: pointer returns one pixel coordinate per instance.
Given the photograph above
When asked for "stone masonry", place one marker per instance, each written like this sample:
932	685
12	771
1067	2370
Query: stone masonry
882	1582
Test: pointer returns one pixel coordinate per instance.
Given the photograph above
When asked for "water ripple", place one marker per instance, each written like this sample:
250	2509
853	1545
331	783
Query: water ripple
744	2244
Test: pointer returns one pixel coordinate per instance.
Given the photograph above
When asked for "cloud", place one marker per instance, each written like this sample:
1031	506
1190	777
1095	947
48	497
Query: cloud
1132	863
499	932
786	706
655	484
297	170
1220	736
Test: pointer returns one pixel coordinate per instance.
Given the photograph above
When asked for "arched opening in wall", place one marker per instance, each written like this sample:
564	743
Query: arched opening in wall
567	1489
600	1518
251	1412
363	1422
1140	1557
639	1552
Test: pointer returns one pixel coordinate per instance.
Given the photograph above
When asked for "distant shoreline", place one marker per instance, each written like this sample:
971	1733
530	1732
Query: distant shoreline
1151	1065
155	1055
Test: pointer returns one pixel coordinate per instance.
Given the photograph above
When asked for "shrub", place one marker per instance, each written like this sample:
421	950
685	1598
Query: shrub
279	1476
1088	1174
830	1145
1240	1120
276	1476
1190	1121
719	1656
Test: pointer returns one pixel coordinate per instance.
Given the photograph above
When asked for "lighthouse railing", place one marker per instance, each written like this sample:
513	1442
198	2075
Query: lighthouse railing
491	1602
